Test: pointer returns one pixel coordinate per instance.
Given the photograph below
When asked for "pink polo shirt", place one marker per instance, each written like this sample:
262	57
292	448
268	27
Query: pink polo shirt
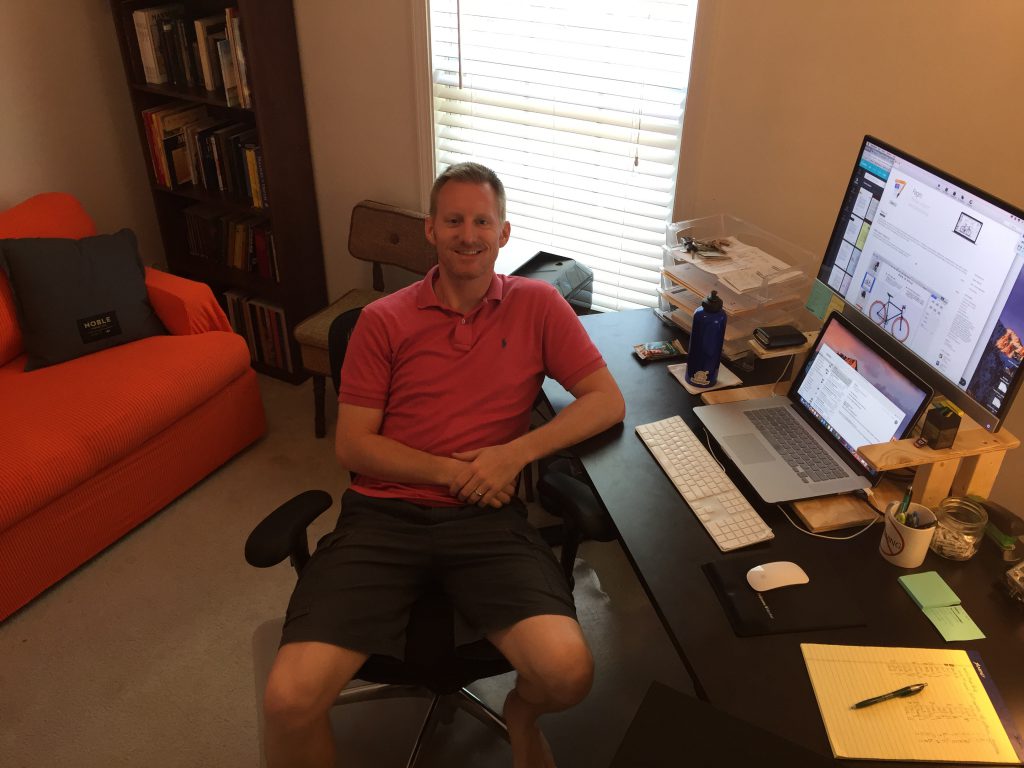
449	382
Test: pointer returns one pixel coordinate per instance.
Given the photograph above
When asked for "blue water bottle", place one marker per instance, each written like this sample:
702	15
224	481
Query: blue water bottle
706	341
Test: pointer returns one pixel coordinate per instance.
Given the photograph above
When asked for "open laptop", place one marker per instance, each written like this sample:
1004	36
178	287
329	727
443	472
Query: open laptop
849	393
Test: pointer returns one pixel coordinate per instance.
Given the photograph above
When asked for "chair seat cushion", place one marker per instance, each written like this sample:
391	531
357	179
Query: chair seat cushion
70	421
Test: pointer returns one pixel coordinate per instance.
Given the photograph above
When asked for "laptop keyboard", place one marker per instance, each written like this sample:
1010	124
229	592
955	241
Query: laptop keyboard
782	428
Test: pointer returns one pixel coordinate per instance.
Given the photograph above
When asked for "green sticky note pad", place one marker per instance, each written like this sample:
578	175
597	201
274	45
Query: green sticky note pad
954	623
928	590
817	301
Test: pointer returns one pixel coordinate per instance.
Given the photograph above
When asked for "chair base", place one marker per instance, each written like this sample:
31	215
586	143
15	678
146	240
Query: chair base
442	708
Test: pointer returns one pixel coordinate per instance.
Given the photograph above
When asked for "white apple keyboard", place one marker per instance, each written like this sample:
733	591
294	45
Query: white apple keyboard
716	502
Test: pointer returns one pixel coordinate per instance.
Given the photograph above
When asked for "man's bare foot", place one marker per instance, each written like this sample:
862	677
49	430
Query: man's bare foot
529	747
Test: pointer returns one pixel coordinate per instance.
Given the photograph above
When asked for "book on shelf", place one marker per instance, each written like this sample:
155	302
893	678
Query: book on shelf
242	242
254	175
190	133
209	62
263	327
227	72
238	317
169	48
234	31
147	23
260	179
164	128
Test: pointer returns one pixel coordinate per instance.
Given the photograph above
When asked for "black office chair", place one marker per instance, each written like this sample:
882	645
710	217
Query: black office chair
559	488
434	667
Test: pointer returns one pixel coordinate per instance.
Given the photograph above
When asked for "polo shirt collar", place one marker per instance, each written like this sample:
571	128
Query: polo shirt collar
427	298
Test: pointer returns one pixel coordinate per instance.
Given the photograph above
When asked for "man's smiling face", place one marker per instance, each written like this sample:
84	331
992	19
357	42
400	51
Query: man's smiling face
467	230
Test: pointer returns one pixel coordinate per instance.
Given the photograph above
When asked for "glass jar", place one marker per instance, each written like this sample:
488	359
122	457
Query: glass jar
960	528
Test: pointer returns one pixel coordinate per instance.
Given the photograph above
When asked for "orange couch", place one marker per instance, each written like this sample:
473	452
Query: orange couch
92	447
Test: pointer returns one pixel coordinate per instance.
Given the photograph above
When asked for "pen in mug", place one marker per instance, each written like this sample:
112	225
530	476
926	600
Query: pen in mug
909	690
906	500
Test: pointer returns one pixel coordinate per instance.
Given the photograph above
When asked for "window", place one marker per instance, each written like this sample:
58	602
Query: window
578	106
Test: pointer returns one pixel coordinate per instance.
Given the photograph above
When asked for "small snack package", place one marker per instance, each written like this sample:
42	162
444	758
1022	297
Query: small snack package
659	350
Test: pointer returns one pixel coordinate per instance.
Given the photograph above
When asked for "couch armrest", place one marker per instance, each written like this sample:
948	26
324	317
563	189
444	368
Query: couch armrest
184	306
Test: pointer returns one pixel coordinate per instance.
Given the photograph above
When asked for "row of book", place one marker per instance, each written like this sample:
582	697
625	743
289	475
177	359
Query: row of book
189	146
241	242
263	327
206	52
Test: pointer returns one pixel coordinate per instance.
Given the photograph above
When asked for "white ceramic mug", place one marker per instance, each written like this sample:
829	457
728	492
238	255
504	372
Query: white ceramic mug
902	545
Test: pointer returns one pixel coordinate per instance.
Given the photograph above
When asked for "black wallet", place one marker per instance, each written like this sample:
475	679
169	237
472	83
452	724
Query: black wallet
775	336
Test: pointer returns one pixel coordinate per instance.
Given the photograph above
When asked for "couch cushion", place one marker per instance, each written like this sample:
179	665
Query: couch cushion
70	421
76	297
51	214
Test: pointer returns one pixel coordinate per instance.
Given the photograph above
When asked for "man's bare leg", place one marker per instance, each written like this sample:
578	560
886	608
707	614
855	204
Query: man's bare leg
555	670
303	684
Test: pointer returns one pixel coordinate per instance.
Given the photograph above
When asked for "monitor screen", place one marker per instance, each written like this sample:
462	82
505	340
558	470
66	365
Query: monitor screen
930	265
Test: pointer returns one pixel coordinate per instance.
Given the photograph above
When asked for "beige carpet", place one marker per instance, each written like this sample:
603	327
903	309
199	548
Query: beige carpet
144	656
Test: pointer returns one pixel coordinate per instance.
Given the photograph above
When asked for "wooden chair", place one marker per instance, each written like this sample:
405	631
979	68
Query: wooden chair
382	235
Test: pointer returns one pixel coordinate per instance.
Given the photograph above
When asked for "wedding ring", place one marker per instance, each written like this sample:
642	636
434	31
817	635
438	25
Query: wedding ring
478	493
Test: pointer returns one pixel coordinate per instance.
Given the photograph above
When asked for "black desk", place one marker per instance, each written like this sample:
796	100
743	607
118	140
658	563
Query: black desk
762	679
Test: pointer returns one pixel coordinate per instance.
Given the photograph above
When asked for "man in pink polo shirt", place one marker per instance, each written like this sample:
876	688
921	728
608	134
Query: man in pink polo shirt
437	389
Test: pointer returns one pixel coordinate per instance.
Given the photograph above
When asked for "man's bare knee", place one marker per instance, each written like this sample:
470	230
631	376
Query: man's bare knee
575	680
567	681
304	682
291	707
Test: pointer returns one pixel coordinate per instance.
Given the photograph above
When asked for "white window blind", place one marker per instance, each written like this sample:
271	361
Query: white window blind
577	105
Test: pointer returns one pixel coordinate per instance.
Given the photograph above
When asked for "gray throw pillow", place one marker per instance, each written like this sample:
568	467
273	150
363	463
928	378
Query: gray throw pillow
74	297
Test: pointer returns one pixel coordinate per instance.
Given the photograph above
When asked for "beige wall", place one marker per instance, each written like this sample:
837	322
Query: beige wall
358	71
66	123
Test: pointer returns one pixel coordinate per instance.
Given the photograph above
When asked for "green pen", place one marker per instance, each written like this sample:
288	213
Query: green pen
906	501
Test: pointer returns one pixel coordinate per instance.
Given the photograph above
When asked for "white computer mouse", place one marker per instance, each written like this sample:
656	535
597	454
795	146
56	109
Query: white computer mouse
781	573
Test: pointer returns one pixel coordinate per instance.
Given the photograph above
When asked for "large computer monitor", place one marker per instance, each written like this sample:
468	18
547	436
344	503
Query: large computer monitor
930	268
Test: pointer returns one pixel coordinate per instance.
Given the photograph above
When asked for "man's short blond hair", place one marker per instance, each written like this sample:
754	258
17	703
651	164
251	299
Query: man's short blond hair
472	173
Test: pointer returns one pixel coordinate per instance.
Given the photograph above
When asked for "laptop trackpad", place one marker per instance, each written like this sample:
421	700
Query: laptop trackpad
747	449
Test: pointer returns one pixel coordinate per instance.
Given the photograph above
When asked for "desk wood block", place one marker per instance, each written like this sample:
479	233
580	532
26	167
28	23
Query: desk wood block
832	513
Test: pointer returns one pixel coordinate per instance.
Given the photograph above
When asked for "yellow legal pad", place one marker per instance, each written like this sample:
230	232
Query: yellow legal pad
952	720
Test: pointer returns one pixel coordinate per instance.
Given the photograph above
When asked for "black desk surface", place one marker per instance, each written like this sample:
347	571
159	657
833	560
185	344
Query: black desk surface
761	679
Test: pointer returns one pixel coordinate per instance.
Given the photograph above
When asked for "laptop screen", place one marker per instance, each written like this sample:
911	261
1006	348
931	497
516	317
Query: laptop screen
855	392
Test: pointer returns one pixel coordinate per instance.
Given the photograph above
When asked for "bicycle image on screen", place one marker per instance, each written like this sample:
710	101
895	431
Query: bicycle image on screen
890	316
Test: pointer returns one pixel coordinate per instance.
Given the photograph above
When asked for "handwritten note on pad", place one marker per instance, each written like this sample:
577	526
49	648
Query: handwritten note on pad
951	721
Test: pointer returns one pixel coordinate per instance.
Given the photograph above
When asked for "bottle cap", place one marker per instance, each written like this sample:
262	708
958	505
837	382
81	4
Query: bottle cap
712	303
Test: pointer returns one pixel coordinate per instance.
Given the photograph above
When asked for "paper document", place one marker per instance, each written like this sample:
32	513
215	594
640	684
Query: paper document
952	720
741	268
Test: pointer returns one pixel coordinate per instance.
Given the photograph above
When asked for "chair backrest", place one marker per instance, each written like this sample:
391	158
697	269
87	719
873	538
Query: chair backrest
337	342
386	234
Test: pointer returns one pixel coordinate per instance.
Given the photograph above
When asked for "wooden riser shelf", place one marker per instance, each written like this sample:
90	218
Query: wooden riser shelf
969	466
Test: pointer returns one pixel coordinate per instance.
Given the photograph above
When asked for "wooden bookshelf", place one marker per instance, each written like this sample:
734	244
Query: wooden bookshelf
278	115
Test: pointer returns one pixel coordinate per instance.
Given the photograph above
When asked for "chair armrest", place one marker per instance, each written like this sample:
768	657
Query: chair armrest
282	533
576	503
184	306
